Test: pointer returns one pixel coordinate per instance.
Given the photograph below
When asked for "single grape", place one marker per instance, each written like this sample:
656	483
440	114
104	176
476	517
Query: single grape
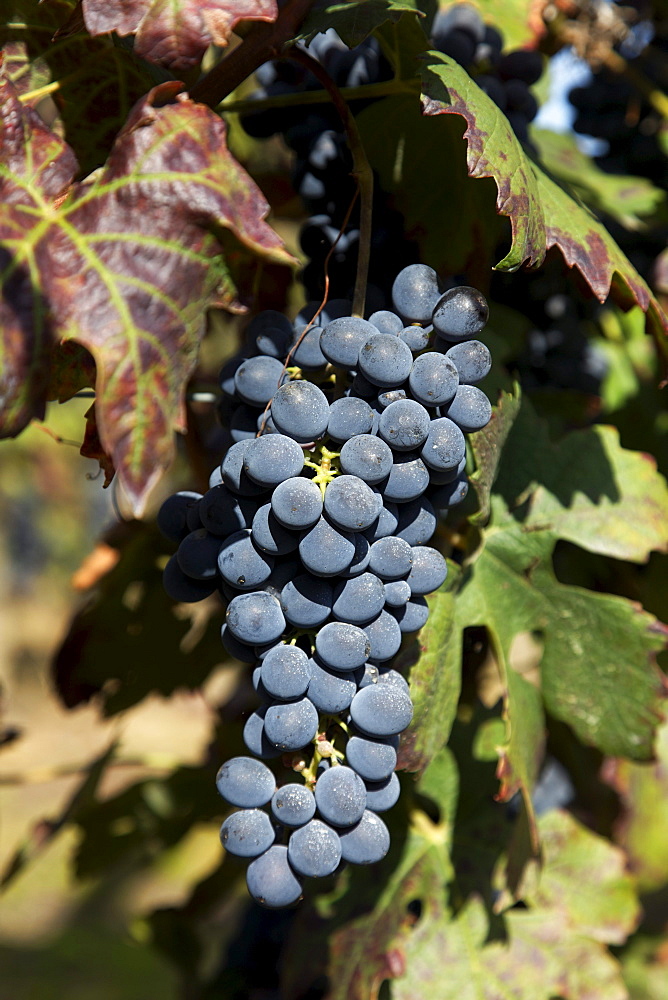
470	409
408	478
341	340
358	600
382	795
307	601
342	646
415	292
429	570
245	782
340	794
325	550
445	447
367	842
381	710
271	881
269	534
255	618
293	804
441	477
273	342
349	416
314	849
386	322
385	360
434	379
271	459
391	558
300	410
241	564
367	457
460	314
297	503
292	725
416	337
351	504
412	616
247	833
384	635
257	379
404	425
183	588
472	361
285	672
172	515
370	675
197	554
373	760
397	593
216	478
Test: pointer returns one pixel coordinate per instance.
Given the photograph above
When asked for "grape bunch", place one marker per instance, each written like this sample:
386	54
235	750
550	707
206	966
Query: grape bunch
314	531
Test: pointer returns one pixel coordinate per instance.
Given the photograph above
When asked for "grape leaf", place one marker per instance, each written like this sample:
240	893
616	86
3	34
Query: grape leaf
555	947
631	201
597	669
125	263
177	33
542	214
353	22
585	488
641	831
435	678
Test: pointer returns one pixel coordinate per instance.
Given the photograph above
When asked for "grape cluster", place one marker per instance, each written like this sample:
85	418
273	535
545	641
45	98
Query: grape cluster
348	438
460	33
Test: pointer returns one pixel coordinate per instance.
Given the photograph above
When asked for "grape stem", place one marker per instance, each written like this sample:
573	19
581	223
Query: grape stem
362	172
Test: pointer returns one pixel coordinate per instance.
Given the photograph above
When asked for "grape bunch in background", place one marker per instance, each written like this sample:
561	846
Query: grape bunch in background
323	165
348	440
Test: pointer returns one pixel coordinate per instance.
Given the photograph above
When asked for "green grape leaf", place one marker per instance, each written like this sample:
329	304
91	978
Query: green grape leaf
174	34
585	488
554	947
354	22
25	73
631	201
641	831
435	678
645	968
542	214
125	263
597	670
487	449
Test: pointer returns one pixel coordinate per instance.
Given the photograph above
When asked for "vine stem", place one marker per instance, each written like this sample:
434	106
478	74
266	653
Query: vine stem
362	173
366	91
263	42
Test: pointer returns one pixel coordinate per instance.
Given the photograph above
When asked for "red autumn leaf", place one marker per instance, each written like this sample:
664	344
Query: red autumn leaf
175	34
125	263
